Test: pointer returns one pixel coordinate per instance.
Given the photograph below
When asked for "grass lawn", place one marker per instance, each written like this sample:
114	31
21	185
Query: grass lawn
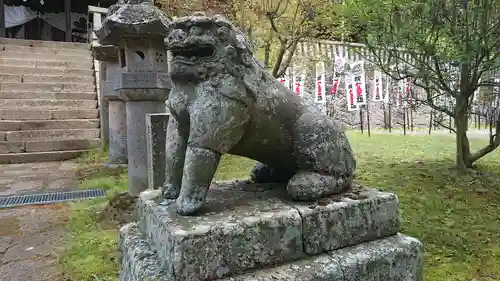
457	218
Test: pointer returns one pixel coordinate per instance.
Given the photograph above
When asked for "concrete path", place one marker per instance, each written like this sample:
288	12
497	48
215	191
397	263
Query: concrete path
30	236
29	178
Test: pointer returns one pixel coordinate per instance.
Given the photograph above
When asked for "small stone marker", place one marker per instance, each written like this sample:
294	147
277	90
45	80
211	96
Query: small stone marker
156	127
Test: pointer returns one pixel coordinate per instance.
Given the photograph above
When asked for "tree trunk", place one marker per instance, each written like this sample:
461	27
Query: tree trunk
279	60
267	49
462	148
463	154
431	121
385	116
389	118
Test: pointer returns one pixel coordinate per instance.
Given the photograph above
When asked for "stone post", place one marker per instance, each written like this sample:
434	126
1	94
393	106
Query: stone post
117	117
117	154
113	108
138	29
156	126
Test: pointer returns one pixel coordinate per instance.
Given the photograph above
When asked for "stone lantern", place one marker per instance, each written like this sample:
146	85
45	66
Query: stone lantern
113	108
138	29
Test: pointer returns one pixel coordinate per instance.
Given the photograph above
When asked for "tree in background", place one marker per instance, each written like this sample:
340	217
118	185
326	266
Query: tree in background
179	8
449	49
273	27
276	27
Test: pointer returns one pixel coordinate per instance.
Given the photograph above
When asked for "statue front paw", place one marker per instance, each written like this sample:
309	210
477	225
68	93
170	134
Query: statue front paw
187	205
170	191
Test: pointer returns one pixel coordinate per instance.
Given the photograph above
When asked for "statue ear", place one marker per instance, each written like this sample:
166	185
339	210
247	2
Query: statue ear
252	83
241	43
232	87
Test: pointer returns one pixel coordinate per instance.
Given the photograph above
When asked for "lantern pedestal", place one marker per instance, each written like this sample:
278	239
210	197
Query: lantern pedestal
142	82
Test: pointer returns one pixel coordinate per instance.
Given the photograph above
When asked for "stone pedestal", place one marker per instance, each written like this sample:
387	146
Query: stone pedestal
246	227
156	127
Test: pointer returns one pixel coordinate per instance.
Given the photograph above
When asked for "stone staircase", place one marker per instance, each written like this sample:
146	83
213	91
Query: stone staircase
48	101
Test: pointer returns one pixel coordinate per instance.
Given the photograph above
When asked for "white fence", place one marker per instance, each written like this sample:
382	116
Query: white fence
351	52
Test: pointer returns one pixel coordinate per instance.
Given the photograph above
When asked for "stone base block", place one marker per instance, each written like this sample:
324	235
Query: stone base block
395	258
247	226
138	262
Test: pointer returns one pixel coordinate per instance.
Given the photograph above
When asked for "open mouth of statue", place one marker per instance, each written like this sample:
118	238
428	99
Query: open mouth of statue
193	51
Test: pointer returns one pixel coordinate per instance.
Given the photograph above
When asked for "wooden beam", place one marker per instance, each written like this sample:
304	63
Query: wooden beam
2	19
69	25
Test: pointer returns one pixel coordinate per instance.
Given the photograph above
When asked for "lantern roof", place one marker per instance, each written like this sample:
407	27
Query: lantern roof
132	19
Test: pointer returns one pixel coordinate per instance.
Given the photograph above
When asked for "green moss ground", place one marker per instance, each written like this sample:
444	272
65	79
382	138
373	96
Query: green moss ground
457	218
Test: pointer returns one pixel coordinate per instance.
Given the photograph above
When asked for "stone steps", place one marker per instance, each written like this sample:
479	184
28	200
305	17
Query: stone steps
47	54
34	78
45	87
48	101
44	50
23	62
48	156
63	46
17	125
47	145
47	104
48	95
54	134
40	114
46	71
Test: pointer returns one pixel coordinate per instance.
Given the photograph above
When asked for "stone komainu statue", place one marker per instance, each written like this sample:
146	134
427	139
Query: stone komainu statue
224	101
